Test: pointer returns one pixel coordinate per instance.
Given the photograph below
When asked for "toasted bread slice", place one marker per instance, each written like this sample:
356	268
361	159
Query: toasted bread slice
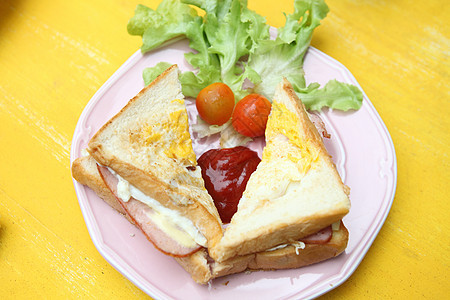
289	257
148	144
296	189
84	170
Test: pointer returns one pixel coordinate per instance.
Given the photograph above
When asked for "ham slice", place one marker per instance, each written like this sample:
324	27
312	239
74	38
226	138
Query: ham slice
320	125
140	214
321	237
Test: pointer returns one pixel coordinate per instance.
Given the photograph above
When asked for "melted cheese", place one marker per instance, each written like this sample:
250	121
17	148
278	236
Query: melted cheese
170	221
336	226
172	230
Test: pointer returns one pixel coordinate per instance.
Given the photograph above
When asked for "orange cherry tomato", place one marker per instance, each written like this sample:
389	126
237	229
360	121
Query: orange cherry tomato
215	103
250	115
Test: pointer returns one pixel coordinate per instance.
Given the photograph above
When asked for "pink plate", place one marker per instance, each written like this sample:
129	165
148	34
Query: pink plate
361	148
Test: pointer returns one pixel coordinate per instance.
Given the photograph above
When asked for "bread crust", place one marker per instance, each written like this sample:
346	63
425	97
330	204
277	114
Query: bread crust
197	266
84	170
203	269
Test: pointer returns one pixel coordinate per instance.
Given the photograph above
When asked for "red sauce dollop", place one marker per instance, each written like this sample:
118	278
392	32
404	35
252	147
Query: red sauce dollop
226	172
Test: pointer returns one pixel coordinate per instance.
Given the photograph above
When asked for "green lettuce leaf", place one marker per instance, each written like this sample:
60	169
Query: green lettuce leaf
231	30
192	83
231	44
168	21
283	57
334	94
207	64
150	74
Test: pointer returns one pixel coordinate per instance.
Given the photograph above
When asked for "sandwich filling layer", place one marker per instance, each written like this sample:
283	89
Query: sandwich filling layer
171	222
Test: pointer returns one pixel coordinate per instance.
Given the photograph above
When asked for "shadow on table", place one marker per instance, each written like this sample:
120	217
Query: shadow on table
8	9
2	230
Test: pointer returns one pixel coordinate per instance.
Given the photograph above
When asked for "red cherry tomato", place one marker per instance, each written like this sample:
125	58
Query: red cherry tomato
250	115
215	103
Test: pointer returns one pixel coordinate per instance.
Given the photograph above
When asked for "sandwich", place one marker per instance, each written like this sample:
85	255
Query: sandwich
145	157
142	164
295	190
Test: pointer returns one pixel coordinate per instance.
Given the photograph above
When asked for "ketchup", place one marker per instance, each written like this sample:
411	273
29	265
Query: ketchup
226	172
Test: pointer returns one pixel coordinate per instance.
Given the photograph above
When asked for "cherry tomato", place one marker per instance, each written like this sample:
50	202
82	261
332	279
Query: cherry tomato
250	115
215	103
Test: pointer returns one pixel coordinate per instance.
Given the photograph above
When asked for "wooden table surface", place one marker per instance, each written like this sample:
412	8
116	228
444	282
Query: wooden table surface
54	55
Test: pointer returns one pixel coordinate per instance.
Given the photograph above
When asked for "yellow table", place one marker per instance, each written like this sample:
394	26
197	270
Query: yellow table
54	55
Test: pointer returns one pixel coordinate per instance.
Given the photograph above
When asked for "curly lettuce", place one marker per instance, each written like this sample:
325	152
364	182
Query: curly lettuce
232	44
